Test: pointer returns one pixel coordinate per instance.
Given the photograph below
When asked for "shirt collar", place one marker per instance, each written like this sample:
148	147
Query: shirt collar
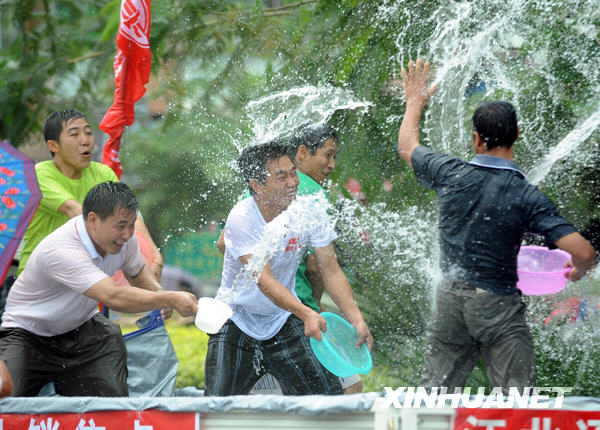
85	238
494	162
307	178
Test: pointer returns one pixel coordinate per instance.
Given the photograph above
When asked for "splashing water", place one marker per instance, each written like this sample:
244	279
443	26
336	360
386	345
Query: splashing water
277	114
305	213
534	54
479	51
565	147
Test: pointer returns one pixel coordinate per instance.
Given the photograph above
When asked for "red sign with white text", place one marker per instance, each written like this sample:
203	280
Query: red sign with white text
525	419
103	420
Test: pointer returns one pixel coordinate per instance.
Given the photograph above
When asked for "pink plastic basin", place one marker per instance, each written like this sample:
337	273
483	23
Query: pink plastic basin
541	270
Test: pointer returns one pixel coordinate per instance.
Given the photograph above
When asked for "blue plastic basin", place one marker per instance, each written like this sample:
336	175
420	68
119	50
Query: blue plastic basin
337	351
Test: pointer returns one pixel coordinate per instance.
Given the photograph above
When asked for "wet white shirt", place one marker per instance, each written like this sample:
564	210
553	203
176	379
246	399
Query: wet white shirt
283	241
48	298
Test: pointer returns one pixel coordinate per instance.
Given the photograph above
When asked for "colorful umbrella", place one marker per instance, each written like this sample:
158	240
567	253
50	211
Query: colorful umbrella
20	196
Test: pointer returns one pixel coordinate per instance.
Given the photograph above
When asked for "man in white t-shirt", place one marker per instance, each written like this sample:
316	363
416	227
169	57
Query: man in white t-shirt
51	329
269	329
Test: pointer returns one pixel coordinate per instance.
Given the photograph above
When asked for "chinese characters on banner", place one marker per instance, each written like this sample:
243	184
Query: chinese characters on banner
132	71
525	419
103	420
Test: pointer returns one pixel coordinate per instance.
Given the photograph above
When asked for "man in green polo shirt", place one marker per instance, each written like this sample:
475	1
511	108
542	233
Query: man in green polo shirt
66	179
313	149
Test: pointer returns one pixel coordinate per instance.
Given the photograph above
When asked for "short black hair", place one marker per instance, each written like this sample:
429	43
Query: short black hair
496	123
311	136
103	199
54	124
254	160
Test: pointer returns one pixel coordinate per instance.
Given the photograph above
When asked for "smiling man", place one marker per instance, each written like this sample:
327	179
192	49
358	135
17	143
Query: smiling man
52	331
269	329
66	179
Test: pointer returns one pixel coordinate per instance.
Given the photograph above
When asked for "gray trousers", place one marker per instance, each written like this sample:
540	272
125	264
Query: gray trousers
468	324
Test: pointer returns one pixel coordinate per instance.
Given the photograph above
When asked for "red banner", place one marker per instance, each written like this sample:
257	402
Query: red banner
525	419
132	71
103	420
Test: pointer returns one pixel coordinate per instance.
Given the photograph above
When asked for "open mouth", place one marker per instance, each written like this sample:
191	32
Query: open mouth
86	154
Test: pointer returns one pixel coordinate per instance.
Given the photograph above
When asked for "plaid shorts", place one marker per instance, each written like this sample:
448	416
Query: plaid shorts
236	361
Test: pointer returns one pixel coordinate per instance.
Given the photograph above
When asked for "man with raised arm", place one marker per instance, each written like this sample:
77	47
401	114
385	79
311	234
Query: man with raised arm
270	327
486	205
51	329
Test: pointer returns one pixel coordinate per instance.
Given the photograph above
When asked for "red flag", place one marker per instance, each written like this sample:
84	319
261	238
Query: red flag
132	71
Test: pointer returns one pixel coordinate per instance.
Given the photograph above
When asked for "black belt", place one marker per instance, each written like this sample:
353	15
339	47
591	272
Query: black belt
465	286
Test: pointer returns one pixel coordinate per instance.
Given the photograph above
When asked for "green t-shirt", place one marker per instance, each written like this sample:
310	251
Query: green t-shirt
306	187
56	189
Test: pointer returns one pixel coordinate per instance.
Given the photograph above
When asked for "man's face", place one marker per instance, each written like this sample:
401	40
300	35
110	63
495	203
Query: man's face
75	144
110	235
279	189
320	165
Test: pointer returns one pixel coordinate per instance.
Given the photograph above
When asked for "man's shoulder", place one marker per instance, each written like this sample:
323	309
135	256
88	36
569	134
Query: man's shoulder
425	151
60	241
100	170
307	185
242	213
243	207
47	168
424	157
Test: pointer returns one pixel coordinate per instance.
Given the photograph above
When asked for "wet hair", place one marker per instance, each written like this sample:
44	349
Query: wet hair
313	137
55	123
103	199
254	161
496	123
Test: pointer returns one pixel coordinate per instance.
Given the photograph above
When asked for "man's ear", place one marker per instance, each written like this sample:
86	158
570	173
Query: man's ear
302	154
92	218
53	146
256	186
478	143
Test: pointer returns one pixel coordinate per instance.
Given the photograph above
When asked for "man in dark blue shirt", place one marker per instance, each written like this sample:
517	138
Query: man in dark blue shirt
485	208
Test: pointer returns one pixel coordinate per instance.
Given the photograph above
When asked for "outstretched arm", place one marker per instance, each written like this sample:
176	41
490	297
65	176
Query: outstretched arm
339	289
315	280
132	299
416	95
582	254
282	297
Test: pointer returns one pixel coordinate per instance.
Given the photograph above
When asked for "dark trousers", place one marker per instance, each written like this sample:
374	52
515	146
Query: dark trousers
468	324
88	361
236	361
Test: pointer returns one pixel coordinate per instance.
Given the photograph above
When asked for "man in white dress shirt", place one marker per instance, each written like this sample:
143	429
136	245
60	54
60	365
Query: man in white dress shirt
52	330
